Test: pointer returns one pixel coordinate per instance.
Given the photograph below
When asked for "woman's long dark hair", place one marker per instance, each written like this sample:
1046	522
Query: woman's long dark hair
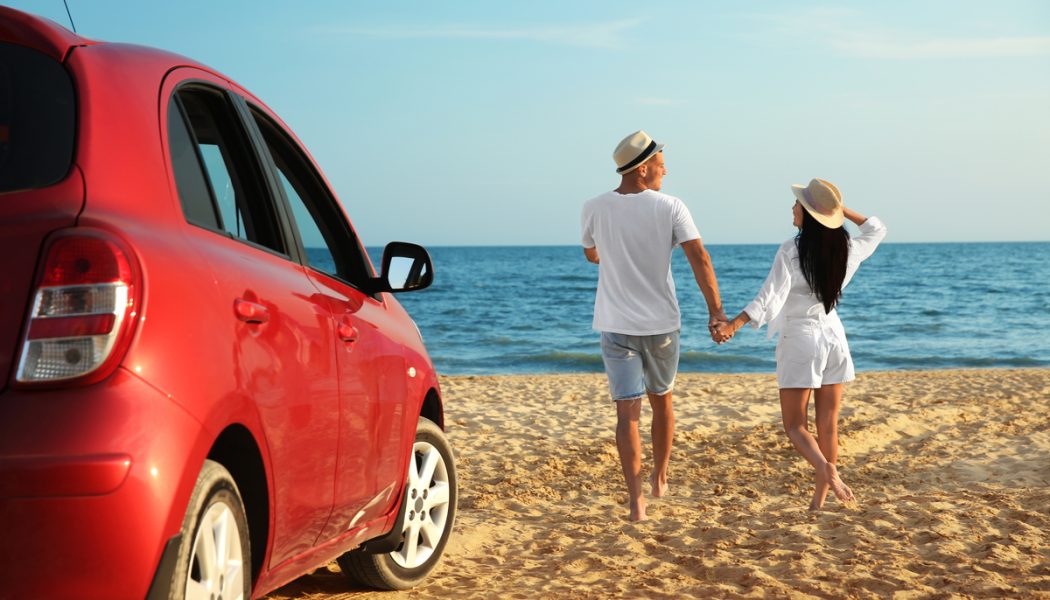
822	256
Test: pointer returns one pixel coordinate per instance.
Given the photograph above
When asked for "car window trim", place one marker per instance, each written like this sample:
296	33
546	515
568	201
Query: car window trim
278	190
253	151
262	156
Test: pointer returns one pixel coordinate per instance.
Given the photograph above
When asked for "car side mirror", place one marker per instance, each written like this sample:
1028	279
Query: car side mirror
406	267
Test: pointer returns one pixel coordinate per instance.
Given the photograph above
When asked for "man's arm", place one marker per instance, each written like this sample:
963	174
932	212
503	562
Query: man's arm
704	273
591	254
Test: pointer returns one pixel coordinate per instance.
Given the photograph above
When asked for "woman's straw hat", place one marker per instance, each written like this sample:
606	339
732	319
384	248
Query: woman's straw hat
822	201
634	150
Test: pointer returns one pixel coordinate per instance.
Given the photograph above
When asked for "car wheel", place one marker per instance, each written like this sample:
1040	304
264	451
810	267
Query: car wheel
214	556
427	513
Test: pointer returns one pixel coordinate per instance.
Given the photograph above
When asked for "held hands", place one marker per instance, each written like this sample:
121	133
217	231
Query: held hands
722	330
716	326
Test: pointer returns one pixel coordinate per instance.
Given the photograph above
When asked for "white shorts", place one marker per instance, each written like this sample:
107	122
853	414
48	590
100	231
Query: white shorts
811	354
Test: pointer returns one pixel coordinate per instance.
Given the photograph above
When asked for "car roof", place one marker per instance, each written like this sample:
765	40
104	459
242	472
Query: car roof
54	40
39	33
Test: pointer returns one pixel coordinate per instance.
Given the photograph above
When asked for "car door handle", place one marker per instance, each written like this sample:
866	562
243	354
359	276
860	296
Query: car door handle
250	312
347	331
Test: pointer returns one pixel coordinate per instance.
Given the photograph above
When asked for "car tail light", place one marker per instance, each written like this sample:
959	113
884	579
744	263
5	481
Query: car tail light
83	310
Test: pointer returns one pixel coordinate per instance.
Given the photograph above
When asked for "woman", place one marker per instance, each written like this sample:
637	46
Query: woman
798	300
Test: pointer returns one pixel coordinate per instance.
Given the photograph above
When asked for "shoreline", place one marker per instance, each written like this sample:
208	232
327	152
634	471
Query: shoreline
770	373
951	469
901	370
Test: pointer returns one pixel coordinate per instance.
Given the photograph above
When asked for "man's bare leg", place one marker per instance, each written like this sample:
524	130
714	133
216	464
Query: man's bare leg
793	404
663	438
629	444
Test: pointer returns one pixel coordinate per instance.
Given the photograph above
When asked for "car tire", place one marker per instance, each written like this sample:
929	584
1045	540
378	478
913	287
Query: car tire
428	511
214	557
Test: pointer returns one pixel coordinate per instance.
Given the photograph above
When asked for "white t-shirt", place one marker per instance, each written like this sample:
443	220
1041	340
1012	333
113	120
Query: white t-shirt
635	235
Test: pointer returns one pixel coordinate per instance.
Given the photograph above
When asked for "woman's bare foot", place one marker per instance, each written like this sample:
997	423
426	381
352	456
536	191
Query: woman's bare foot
638	510
820	492
829	477
659	487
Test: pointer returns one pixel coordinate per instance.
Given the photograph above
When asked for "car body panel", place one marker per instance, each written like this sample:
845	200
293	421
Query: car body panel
81	541
371	408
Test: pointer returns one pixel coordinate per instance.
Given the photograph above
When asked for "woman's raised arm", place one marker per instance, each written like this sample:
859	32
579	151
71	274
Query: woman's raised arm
853	216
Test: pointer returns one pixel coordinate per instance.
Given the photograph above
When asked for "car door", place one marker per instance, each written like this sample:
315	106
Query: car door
372	367
278	333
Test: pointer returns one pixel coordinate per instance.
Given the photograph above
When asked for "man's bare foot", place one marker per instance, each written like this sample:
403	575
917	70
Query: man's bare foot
659	487
638	510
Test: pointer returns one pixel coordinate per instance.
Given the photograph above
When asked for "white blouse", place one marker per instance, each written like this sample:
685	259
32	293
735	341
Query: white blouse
785	295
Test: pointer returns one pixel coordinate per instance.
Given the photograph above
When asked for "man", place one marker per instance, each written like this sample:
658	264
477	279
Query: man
630	233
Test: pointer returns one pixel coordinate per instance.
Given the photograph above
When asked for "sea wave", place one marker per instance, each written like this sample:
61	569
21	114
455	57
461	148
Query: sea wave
587	362
566	358
696	358
943	362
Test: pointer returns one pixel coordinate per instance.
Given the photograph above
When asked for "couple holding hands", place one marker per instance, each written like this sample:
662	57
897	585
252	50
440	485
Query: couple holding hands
631	232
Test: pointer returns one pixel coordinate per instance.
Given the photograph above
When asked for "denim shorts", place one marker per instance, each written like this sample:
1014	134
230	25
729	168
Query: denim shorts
637	364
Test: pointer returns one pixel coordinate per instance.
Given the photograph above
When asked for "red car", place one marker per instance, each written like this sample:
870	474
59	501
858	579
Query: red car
208	392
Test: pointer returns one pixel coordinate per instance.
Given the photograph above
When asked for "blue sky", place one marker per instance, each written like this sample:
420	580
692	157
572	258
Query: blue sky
481	123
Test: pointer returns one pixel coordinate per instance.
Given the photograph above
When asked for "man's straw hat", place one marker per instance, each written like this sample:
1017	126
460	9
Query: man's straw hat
822	201
634	150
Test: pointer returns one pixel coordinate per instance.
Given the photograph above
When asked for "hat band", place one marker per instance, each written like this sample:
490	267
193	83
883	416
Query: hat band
639	159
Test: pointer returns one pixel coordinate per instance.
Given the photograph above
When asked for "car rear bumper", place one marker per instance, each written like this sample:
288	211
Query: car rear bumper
91	488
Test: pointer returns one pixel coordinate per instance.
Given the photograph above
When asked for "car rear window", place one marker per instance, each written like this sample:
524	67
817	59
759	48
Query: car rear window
37	119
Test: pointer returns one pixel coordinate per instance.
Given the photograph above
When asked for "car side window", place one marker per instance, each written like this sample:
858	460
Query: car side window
318	253
328	241
218	180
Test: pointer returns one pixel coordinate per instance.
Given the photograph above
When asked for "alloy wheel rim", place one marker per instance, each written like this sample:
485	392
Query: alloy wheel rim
216	563
426	507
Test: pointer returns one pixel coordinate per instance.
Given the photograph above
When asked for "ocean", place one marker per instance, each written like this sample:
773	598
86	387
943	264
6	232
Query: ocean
509	310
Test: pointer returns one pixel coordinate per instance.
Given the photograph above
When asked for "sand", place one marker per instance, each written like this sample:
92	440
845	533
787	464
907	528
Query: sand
951	470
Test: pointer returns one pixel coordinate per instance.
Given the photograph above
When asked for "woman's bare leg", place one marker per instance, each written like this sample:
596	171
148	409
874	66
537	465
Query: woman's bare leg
828	399
793	408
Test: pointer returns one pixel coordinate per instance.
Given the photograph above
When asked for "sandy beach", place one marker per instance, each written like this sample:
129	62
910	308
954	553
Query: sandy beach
951	470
